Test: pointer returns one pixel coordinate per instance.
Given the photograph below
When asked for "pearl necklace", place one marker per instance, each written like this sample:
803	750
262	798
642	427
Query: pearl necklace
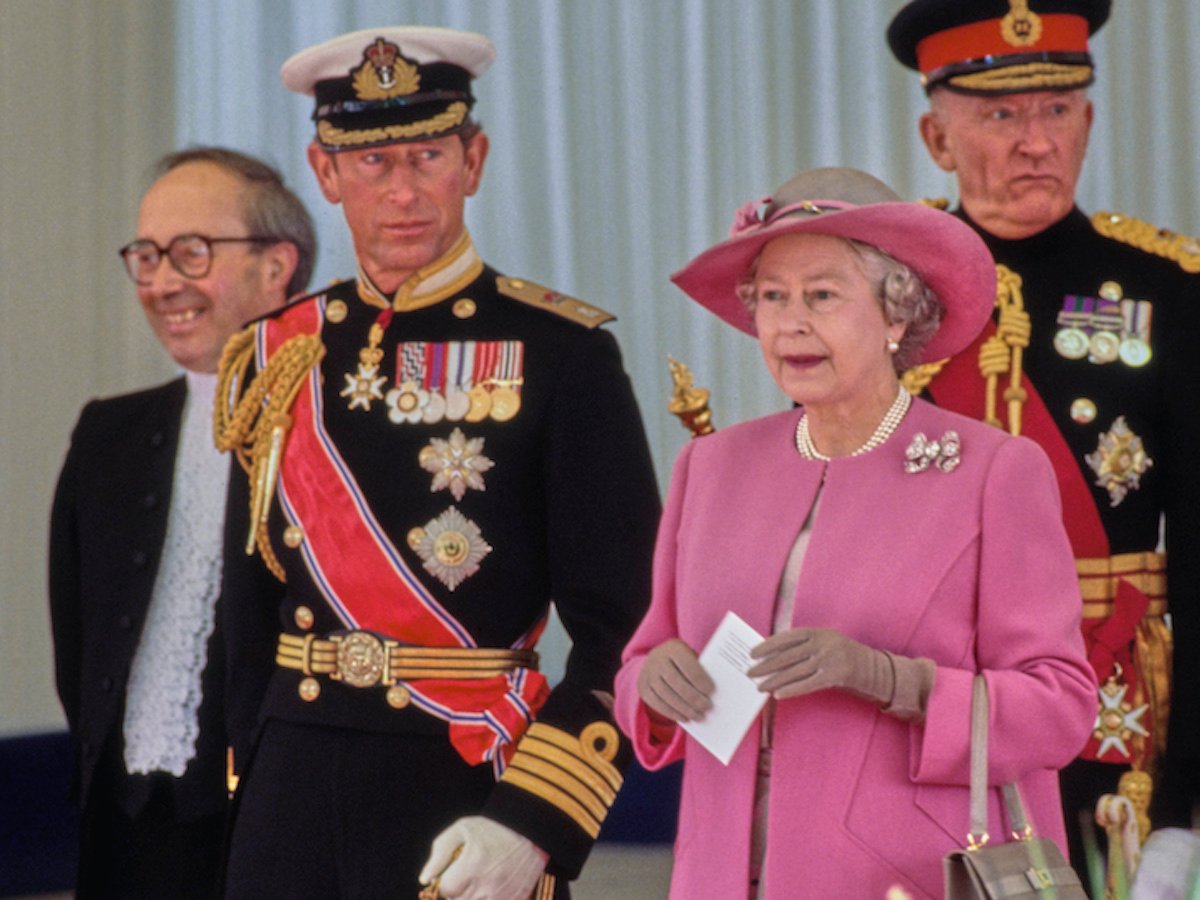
891	421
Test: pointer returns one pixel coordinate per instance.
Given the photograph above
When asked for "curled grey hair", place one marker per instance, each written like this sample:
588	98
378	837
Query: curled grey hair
902	294
269	208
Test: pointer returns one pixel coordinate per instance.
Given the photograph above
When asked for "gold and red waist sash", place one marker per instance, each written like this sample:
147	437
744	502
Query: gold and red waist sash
1129	646
363	577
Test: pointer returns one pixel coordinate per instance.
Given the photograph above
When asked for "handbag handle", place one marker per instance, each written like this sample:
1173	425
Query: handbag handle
978	835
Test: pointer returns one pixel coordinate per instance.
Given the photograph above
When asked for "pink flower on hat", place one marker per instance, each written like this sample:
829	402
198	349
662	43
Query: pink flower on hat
748	215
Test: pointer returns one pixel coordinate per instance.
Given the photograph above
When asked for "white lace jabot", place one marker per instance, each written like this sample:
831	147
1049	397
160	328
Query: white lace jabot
163	699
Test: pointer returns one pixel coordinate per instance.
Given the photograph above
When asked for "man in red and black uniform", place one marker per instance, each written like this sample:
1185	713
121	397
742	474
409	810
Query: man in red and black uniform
1092	355
435	453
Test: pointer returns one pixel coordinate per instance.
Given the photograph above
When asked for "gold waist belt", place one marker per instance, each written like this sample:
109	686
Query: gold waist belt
1099	577
363	659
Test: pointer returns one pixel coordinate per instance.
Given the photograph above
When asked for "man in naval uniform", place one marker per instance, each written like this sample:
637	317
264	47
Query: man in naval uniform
136	534
434	453
1092	355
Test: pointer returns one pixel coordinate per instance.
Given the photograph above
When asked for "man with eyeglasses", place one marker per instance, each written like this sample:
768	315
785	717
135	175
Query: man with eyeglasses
435	453
1092	355
136	534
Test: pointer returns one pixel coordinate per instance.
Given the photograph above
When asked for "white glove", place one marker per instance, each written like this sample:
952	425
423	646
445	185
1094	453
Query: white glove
480	859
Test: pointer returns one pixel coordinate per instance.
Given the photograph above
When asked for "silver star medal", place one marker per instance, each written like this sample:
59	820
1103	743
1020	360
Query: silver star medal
451	547
456	464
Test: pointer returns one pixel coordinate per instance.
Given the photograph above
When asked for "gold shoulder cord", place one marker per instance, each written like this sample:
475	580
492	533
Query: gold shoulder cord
918	377
1003	351
1179	248
254	427
1000	354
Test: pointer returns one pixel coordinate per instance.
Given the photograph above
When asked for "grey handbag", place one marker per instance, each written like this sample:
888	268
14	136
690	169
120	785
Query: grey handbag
1027	866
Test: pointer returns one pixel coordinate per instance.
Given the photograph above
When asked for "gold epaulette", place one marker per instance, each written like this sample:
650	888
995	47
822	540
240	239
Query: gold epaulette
1179	248
252	420
935	202
573	774
533	294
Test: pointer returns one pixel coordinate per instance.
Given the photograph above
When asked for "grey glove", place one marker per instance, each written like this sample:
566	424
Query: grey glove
804	660
674	684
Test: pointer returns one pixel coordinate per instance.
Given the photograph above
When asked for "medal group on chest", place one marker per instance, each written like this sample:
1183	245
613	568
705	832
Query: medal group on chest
1102	330
466	381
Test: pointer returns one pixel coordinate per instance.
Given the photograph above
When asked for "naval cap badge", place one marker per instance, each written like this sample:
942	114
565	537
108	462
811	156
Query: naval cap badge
385	73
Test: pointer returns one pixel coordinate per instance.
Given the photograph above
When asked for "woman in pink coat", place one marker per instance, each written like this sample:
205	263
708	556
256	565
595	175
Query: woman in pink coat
891	550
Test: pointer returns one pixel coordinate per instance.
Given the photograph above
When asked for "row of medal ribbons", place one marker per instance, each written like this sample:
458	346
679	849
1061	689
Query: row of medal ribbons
456	381
1104	330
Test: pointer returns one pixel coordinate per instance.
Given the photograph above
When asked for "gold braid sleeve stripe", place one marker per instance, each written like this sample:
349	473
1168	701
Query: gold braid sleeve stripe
552	795
1179	248
563	782
254	427
596	746
572	773
571	768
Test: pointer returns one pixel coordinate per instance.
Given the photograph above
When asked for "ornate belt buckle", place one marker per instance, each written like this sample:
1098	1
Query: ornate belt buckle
360	659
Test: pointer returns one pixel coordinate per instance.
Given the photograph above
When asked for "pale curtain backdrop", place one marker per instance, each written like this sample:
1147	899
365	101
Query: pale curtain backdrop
624	134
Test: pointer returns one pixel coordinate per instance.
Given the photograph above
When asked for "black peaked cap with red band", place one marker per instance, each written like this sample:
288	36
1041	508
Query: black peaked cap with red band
998	46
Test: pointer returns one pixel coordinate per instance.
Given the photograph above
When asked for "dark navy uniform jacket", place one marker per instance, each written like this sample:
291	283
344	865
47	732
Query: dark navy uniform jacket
1160	402
569	508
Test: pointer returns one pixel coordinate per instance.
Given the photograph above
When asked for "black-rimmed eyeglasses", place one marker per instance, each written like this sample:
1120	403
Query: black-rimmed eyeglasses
191	255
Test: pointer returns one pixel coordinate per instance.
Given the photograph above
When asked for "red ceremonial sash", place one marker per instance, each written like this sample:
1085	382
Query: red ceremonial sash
960	387
365	580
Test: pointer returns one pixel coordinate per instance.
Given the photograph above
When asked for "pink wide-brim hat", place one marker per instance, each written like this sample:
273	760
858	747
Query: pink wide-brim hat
948	256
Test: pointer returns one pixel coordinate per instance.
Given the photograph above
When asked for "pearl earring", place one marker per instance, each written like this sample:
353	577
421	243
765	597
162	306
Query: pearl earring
892	346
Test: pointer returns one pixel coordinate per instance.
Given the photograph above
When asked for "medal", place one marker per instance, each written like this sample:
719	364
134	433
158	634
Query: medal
435	409
1104	344
479	404
1135	339
506	396
1071	343
451	547
506	402
435	379
460	360
1071	340
457	404
1119	461
407	400
1103	347
1134	353
367	384
457	463
486	357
